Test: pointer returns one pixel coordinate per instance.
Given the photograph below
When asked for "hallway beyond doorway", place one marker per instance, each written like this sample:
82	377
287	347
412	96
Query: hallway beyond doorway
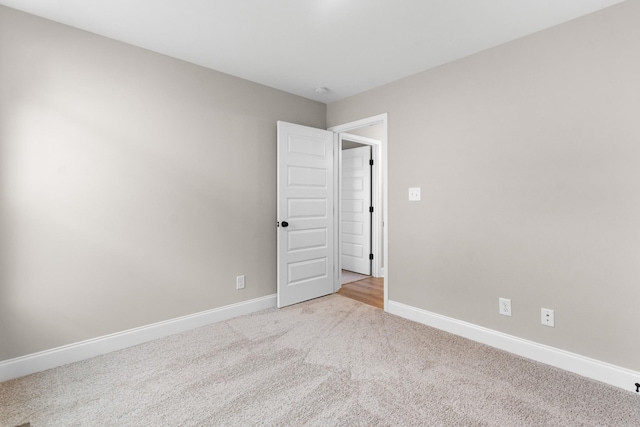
368	290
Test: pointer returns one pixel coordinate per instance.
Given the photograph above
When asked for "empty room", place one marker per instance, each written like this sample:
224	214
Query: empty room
322	212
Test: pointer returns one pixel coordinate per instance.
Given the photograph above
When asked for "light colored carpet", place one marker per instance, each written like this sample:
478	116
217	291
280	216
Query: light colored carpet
328	362
350	277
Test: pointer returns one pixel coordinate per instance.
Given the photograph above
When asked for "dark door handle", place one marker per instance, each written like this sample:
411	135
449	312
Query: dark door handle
285	224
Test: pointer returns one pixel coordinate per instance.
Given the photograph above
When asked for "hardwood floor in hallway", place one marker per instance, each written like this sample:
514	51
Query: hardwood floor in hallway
369	290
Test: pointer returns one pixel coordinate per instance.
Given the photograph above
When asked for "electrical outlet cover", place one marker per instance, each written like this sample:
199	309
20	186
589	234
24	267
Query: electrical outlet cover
240	282
504	306
548	317
414	194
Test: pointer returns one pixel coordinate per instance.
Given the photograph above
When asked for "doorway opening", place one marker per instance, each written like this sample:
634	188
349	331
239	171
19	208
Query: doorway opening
361	231
309	208
369	290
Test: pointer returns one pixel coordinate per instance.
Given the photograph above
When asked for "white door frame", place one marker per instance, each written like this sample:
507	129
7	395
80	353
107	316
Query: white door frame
381	220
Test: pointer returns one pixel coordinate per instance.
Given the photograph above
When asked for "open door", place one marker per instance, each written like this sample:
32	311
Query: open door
356	210
305	216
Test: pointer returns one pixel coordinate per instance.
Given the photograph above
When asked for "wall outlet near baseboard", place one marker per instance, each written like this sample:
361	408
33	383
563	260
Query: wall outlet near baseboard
504	306
240	282
548	317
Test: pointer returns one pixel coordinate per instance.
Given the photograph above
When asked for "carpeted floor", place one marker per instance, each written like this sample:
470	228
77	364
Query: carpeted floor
327	362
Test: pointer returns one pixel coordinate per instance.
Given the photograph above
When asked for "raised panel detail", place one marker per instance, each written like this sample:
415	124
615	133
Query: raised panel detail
351	249
352	163
352	206
307	208
353	228
307	146
353	184
307	239
304	271
306	177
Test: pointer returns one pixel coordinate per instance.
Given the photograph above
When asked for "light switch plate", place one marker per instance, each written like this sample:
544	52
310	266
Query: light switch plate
414	194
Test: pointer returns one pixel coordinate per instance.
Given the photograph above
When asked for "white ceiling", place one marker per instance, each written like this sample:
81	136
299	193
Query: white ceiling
348	46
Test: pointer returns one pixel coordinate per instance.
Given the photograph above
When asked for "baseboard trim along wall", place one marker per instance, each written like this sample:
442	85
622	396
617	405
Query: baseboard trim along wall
581	365
41	361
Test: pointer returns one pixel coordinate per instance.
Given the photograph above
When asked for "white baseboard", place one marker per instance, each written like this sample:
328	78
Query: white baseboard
41	361
581	365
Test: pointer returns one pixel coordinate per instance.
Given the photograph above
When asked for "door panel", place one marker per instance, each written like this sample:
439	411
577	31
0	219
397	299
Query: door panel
307	209
305	202
306	239
355	218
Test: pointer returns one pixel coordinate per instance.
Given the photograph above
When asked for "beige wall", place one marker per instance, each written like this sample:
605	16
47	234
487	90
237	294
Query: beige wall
528	156
133	187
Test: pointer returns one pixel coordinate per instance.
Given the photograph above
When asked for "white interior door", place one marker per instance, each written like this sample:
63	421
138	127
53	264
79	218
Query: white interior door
305	213
355	217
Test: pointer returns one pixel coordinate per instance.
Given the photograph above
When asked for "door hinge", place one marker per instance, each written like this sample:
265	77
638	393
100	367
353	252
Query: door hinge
371	209
370	162
370	256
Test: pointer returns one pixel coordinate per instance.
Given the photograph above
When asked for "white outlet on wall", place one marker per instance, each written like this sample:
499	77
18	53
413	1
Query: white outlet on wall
240	282
504	306
548	317
414	194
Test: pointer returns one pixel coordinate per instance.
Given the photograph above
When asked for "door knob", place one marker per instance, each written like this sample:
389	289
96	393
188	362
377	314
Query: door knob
285	224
